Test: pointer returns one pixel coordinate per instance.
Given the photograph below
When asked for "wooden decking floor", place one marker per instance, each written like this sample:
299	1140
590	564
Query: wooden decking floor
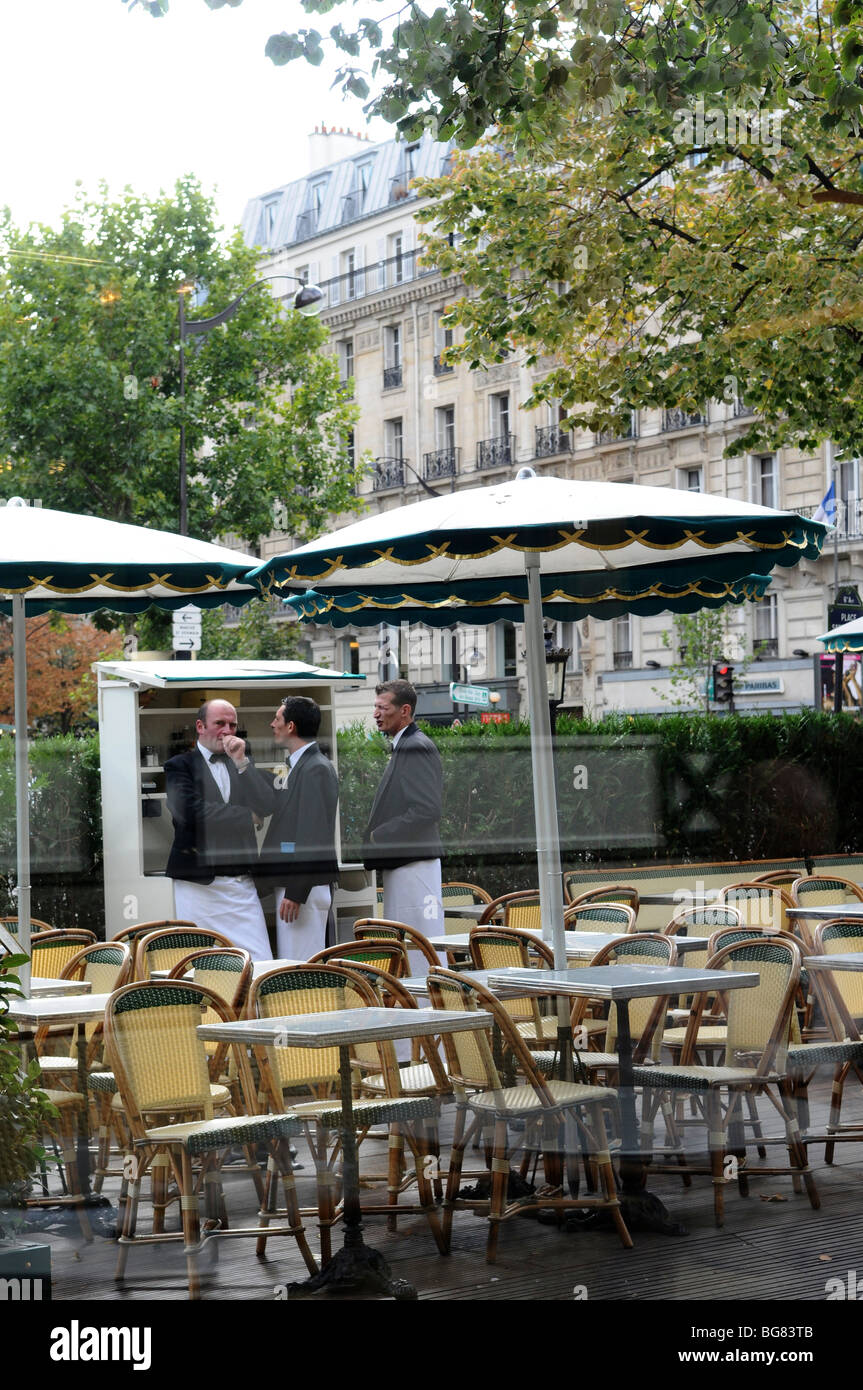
773	1245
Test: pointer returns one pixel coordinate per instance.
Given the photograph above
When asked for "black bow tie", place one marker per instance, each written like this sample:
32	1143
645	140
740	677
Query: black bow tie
219	758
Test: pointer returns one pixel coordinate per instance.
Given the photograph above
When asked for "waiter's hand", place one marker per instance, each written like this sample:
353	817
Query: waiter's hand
235	748
289	911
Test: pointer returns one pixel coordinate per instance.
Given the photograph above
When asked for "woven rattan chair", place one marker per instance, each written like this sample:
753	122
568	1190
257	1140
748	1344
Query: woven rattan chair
544	1107
132	935
611	893
762	906
163	1075
107	966
841	998
289	1072
384	929
604	917
497	948
759	1021
226	970
456	895
386	955
702	921
11	925
50	951
162	949
521	909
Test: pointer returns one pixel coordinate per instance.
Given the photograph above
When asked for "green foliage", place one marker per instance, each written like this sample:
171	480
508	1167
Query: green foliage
464	67
24	1106
255	636
90	409
700	639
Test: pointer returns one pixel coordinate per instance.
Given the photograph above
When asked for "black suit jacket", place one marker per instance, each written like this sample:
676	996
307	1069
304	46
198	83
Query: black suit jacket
212	836
299	849
404	823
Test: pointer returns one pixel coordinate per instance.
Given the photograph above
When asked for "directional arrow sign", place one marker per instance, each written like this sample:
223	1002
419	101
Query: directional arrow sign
187	642
469	694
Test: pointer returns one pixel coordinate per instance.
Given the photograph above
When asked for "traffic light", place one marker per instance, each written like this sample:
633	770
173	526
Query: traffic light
723	683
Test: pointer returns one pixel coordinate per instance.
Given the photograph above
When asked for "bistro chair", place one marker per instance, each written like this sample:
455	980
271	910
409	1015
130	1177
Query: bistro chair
618	918
496	948
782	878
132	935
11	925
758	1024
611	893
163	1074
162	949
762	906
521	909
50	951
288	1072
107	966
384	929
483	1101
701	921
386	955
226	970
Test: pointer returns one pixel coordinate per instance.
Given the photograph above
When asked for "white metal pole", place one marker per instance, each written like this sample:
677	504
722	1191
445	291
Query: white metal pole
545	802
22	780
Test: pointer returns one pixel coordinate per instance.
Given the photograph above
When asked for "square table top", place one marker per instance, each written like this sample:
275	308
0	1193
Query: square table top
418	984
84	1008
579	944
343	1027
259	967
842	960
680	897
824	913
45	988
627	981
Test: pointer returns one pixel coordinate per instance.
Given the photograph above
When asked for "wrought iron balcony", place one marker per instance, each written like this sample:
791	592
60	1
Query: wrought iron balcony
622	661
681	419
440	463
849	518
765	646
617	436
389	473
392	377
551	440
441	368
495	453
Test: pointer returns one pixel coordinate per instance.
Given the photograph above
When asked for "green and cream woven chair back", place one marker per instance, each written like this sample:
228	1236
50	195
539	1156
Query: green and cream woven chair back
158	1060
609	893
385	955
132	935
306	989
817	890
456	895
226	970
384	929
762	906
51	952
470	1060
702	921
161	950
837	938
107	966
11	925
644	1014
602	917
495	948
759	1018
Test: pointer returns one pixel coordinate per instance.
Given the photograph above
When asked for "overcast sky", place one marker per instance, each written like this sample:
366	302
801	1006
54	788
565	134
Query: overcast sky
91	90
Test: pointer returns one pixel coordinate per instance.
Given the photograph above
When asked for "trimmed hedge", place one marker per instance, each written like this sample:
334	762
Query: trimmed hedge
676	788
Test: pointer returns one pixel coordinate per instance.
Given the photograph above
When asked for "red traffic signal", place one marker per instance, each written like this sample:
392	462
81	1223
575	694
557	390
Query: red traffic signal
723	683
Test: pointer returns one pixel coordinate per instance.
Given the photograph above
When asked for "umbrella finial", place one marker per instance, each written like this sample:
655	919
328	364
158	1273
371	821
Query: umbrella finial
523	474
16	502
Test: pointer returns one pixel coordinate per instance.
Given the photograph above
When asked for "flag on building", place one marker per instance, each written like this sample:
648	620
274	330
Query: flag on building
827	507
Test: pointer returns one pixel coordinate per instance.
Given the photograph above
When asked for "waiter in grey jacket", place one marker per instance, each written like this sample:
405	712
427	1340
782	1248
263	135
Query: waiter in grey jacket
299	855
402	837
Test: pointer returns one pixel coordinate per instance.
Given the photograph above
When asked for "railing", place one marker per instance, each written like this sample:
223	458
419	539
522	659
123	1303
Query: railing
373	279
441	368
551	440
495	453
392	377
389	473
440	463
352	205
617	436
399	189
765	646
307	224
622	661
849	519
681	419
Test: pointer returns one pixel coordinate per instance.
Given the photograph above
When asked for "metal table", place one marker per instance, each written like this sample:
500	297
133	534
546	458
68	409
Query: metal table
580	945
619	984
827	913
90	1008
842	960
45	988
356	1264
680	897
259	967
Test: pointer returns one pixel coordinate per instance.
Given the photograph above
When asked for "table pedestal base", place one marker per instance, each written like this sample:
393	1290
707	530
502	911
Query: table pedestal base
352	1270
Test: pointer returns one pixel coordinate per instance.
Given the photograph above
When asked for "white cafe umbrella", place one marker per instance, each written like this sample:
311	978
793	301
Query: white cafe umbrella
538	546
76	564
847	637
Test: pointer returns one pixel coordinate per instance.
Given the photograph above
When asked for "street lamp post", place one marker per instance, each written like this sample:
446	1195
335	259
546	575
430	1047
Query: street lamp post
555	676
308	301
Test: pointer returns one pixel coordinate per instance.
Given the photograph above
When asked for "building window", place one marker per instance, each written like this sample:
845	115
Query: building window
848	517
510	654
346	359
397	258
568	636
271	212
622	639
443	339
349	273
362	178
690	479
351	448
350	654
302	273
444	427
766	637
765	489
392	356
499	414
394	438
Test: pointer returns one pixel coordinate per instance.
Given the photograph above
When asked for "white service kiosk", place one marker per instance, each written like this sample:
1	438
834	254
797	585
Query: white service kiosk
147	713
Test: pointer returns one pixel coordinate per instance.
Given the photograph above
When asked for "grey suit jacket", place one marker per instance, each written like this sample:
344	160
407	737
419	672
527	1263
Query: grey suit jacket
299	849
404	823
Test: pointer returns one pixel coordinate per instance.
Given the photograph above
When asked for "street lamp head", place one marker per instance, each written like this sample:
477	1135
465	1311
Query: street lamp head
309	301
187	287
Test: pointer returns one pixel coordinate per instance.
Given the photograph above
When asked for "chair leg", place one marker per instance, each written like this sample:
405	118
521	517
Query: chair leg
602	1159
135	1167
419	1146
716	1144
268	1204
281	1161
191	1223
395	1170
456	1159
159	1178
752	1107
796	1148
499	1180
836	1093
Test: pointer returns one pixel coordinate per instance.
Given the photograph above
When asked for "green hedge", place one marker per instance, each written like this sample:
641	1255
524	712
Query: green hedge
629	789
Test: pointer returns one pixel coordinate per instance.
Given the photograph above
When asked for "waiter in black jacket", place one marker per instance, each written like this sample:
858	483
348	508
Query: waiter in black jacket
402	837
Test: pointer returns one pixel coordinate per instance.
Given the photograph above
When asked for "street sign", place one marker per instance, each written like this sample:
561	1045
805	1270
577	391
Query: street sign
469	694
186	629
846	608
187	642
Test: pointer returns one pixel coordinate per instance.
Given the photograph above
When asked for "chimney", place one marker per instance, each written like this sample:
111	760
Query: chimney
329	146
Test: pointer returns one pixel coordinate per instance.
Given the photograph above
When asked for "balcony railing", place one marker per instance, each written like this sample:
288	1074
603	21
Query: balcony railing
849	518
440	463
389	473
441	368
399	189
765	646
307	224
392	377
372	279
618	436
682	419
495	453
622	661
551	440
352	205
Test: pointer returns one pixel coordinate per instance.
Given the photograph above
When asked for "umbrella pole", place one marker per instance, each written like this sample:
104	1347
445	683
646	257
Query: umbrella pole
22	781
